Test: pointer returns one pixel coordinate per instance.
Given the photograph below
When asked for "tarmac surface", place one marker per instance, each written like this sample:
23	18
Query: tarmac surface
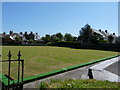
114	68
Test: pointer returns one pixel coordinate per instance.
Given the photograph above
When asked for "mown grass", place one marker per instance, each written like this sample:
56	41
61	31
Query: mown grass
42	59
88	83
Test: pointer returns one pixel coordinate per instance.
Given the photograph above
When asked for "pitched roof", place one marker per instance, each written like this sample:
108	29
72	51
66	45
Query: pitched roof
98	32
15	34
114	36
106	34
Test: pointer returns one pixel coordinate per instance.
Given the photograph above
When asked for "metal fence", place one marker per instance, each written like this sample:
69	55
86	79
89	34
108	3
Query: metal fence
19	83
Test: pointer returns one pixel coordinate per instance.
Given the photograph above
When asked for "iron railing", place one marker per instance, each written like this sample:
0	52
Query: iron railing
19	83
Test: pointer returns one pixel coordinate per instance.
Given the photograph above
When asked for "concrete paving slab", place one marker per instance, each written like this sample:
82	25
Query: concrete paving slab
114	68
107	70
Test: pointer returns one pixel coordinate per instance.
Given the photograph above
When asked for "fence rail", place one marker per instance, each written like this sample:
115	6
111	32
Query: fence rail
7	81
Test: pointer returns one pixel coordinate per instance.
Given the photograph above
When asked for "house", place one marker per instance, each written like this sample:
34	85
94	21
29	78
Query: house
36	36
118	39
23	37
33	36
0	39
110	38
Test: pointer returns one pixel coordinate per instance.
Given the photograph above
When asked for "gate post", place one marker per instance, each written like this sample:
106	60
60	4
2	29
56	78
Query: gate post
9	59
90	74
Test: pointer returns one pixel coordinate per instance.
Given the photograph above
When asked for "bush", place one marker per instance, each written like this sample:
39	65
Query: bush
102	41
49	43
67	44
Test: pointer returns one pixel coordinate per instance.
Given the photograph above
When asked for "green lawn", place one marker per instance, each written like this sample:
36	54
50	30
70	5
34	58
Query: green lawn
41	59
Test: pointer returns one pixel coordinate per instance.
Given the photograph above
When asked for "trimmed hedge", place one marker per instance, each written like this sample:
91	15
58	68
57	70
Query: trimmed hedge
77	45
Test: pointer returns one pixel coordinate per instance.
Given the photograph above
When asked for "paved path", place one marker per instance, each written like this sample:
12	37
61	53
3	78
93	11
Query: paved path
114	68
107	70
100	71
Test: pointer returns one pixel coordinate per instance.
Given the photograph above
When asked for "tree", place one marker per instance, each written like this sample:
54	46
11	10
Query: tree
54	38
95	38
60	36
75	39
31	41
79	38
68	37
86	33
110	39
46	39
26	36
31	36
7	40
17	38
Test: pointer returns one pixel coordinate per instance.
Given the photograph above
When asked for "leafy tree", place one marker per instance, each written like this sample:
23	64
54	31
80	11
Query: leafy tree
60	36
110	39
26	36
31	41
17	38
68	37
54	38
75	39
95	38
79	38
46	39
86	33
31	36
7	40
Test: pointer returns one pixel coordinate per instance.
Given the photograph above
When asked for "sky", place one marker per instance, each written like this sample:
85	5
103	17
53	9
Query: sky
54	17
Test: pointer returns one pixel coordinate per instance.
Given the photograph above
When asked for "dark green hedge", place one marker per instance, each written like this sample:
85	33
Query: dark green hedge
77	45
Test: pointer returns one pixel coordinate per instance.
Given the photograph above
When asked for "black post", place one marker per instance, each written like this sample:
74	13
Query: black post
22	69
19	65
9	59
90	74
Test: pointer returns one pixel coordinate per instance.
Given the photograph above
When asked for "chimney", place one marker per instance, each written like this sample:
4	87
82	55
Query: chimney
100	30
113	33
25	32
21	33
4	33
106	31
11	32
31	32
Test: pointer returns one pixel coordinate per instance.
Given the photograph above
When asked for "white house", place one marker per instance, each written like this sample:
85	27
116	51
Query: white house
22	36
36	36
105	34
118	39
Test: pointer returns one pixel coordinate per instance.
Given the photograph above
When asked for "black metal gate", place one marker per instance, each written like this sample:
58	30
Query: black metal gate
15	85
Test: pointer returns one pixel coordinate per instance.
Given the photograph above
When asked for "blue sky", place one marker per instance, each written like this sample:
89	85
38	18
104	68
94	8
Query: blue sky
53	17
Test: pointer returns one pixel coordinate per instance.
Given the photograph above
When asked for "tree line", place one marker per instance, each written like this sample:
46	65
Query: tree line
85	36
58	37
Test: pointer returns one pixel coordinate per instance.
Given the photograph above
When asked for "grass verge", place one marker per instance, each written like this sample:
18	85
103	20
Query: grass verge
71	83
